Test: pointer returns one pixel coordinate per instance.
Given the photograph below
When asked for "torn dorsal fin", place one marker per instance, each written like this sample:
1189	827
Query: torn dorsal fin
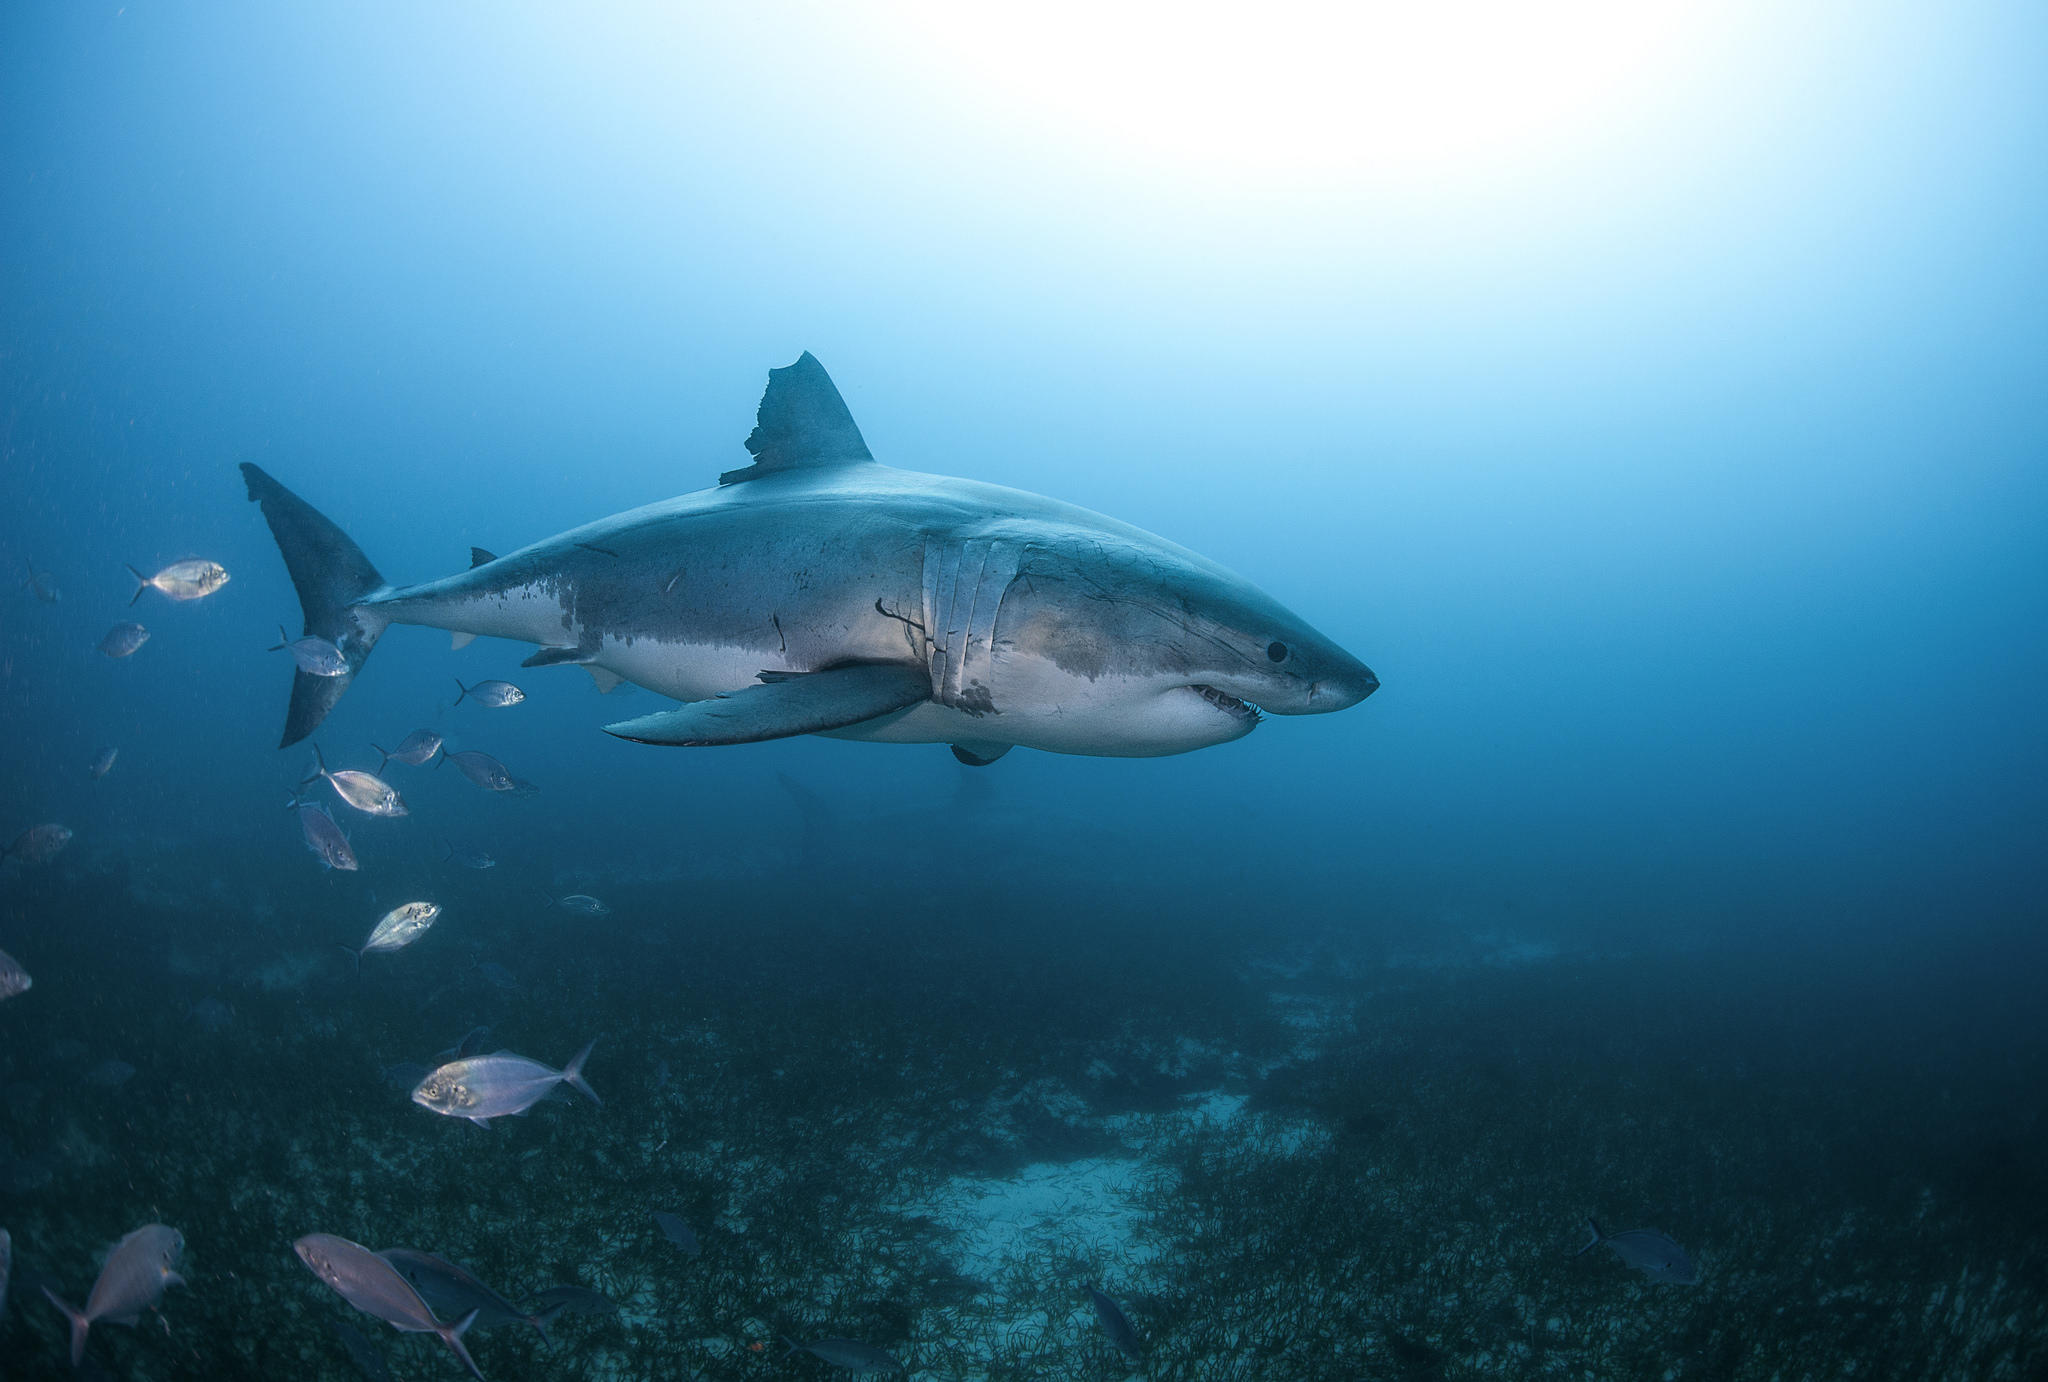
479	557
803	423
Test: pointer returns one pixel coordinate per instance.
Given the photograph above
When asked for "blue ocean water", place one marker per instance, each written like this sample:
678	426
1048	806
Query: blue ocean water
1657	411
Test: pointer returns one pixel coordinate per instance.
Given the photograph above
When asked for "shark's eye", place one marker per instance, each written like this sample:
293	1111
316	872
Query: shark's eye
1276	652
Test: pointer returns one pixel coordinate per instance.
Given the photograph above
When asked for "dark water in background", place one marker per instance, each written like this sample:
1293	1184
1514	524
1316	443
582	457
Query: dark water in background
1683	483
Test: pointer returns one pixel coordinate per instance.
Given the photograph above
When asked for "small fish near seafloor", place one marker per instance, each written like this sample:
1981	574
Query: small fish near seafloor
452	1290
367	792
1648	1251
38	844
139	1270
498	1086
850	1354
375	1287
677	1232
14	980
1117	1326
182	580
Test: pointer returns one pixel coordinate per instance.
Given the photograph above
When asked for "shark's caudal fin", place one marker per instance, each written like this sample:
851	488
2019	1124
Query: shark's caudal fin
331	575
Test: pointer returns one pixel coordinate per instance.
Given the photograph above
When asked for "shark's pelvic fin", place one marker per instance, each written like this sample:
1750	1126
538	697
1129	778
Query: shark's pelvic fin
979	755
785	704
803	423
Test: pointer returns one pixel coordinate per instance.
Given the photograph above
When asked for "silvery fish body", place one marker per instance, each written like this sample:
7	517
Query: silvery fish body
480	768
469	858
583	904
138	1271
850	1354
123	639
1117	1326
14	979
401	926
39	844
103	763
452	1290
677	1232
413	750
494	694
375	1287
325	839
314	656
1648	1251
488	1087
367	792
182	580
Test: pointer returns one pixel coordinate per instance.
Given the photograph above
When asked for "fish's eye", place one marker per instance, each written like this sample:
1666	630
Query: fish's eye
1276	652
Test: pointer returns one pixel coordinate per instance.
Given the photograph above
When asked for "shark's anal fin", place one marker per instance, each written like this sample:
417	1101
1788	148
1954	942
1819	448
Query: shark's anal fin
607	680
457	641
785	704
803	423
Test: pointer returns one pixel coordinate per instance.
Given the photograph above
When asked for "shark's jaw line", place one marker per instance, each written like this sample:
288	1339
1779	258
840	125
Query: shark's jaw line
820	592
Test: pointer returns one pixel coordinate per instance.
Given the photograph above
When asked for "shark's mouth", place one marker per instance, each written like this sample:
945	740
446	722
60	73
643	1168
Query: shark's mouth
1227	703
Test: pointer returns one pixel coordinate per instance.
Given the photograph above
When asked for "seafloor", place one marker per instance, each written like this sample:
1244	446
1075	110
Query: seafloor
927	1125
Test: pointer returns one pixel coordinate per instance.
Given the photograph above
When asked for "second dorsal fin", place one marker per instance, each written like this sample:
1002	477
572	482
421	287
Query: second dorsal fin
803	423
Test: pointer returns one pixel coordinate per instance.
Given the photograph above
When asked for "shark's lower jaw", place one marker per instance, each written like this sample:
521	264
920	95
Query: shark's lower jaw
1227	703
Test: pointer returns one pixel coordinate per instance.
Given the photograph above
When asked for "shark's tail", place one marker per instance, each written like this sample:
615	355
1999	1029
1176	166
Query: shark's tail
332	576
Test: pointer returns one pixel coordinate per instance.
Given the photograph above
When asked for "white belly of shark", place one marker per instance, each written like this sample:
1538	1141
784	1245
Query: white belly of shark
816	591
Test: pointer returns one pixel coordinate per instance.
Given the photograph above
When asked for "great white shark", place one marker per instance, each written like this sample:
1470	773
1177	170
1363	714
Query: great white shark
817	591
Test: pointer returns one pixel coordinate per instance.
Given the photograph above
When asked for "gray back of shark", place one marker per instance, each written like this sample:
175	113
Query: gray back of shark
817	591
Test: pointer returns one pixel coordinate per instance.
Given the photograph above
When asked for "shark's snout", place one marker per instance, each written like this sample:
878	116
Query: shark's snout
1342	691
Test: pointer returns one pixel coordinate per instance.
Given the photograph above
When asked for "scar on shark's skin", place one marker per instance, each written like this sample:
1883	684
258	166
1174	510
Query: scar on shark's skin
672	581
776	620
593	547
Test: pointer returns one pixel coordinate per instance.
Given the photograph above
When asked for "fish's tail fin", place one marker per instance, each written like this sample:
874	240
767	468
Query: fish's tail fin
383	757
353	953
284	640
1595	1241
794	1348
572	1073
451	1335
460	690
141	582
545	1318
332	577
80	1325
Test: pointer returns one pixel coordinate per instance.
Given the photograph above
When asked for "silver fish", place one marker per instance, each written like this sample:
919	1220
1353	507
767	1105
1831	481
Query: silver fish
398	928
847	1353
480	768
138	1271
583	904
575	1300
1648	1251
413	750
14	980
325	839
43	584
677	1232
468	858
103	763
123	639
451	1289
367	792
1117	1326
377	1288
315	657
38	844
497	1086
182	580
494	694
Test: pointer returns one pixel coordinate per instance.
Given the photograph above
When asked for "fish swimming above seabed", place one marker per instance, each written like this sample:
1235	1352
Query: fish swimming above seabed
451	1291
14	980
38	844
677	1232
413	750
480	768
494	694
324	837
397	929
182	580
103	763
1648	1251
314	656
375	1287
498	1086
817	591
43	584
139	1269
850	1354
123	639
1117	1326
584	905
367	792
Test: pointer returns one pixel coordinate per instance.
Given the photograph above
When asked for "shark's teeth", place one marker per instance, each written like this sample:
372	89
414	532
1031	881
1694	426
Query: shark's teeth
1227	703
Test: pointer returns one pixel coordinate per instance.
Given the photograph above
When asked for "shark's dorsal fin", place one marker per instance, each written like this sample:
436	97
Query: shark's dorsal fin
803	423
479	557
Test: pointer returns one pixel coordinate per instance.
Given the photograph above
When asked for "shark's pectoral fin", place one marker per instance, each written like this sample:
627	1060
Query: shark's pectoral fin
785	704
979	755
